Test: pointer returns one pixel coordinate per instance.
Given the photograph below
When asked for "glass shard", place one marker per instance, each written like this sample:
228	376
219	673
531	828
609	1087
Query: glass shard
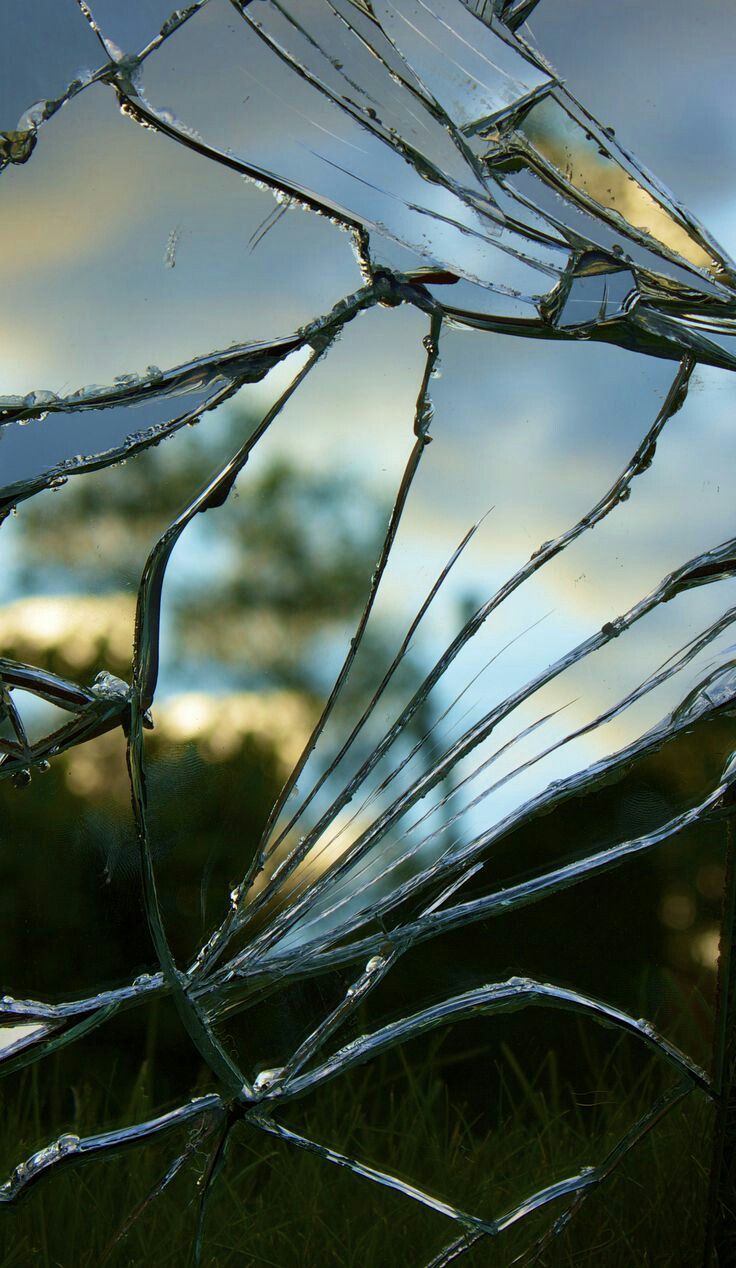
48	54
367	655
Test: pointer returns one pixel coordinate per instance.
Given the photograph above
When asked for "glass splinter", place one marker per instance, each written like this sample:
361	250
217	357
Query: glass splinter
333	738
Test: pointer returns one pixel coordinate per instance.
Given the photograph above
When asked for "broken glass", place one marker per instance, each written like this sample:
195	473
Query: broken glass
367	678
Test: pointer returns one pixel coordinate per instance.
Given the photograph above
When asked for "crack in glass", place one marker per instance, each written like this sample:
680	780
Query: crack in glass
477	192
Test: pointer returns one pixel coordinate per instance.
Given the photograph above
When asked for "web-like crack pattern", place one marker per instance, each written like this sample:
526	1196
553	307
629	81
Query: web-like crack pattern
481	195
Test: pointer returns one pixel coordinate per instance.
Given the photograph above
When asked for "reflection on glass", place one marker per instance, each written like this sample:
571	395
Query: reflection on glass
366	648
581	161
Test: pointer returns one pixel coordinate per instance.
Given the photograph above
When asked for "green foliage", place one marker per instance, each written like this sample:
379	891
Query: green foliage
288	558
278	1206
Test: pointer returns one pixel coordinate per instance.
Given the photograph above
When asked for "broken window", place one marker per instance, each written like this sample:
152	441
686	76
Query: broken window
367	630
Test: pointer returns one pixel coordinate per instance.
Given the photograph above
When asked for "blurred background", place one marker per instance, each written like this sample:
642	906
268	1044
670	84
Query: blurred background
127	251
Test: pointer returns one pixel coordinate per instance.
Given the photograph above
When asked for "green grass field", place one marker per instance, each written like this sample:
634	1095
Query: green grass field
476	1129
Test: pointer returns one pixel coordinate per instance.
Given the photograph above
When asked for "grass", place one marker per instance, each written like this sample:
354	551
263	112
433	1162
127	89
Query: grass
475	1125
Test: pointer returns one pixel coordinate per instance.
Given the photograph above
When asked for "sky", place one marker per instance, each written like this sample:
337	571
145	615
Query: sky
128	250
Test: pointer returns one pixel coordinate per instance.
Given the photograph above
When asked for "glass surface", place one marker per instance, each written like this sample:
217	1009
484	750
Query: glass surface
367	629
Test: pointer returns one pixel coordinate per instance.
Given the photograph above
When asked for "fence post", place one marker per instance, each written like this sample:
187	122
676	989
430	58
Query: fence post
720	1238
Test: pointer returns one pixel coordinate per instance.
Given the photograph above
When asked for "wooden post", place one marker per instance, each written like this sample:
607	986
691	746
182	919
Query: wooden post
720	1242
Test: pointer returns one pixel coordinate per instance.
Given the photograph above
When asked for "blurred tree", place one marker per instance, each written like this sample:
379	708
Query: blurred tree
293	565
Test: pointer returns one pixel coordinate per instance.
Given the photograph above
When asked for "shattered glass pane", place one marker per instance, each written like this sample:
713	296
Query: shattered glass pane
367	670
